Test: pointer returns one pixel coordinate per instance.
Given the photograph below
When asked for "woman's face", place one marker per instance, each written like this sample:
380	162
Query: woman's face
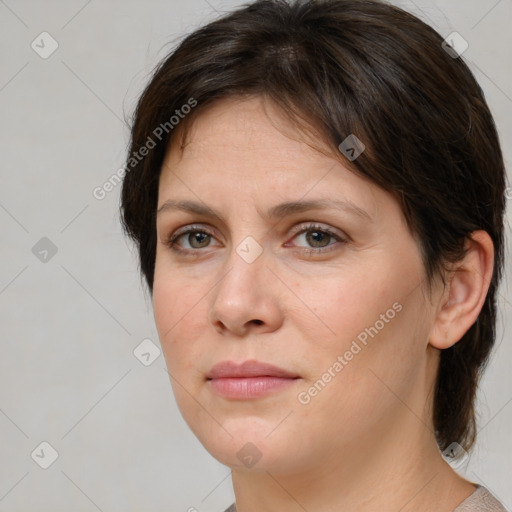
331	294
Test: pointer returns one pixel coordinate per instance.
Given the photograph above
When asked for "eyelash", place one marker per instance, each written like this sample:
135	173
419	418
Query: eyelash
171	241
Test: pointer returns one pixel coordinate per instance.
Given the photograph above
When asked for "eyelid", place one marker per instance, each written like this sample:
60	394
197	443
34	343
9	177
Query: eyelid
192	227
311	225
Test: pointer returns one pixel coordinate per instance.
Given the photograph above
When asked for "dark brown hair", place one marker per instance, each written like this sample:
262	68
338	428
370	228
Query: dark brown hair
346	67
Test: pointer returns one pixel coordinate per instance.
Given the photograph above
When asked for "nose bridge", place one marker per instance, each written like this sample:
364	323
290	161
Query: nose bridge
244	266
245	259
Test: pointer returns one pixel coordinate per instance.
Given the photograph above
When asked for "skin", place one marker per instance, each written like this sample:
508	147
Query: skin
365	441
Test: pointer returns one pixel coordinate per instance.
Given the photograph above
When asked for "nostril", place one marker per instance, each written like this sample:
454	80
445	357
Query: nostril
258	322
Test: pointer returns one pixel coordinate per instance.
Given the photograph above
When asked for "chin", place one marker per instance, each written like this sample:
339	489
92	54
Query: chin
251	447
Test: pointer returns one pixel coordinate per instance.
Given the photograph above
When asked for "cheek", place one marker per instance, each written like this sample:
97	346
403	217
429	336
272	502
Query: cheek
371	358
344	305
179	316
175	297
381	332
372	320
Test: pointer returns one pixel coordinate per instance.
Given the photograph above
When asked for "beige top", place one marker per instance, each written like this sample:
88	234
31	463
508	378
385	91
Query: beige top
480	501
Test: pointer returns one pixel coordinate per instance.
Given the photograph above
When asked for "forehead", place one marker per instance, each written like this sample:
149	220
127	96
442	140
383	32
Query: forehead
246	149
250	136
241	123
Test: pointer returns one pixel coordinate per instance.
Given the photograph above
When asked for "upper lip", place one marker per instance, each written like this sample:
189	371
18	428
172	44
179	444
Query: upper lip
251	368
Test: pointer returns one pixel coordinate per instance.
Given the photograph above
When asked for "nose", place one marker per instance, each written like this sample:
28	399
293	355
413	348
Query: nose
246	297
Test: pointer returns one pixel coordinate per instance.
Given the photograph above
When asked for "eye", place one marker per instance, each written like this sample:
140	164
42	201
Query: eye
193	238
317	238
196	238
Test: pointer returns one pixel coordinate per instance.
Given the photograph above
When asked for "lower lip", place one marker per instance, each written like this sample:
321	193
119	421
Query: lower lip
248	387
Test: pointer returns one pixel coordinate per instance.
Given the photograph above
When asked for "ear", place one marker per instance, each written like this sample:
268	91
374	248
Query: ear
465	294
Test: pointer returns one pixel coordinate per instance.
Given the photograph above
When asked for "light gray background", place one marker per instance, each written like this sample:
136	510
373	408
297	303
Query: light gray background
68	375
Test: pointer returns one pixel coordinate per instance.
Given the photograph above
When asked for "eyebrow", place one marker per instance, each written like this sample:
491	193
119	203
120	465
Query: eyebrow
278	211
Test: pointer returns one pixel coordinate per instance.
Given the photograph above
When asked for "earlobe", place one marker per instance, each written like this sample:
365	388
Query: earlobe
465	294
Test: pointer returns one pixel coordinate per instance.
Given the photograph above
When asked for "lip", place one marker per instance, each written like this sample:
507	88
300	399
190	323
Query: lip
250	379
250	368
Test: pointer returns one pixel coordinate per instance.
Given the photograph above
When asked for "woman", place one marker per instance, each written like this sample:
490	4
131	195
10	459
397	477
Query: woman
317	190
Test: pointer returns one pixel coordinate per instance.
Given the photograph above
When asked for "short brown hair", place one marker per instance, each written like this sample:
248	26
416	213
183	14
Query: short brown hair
346	67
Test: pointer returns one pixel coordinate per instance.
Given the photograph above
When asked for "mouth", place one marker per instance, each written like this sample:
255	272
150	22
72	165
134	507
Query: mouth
251	379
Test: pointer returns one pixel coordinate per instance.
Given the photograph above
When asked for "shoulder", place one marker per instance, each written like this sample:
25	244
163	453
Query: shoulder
480	501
